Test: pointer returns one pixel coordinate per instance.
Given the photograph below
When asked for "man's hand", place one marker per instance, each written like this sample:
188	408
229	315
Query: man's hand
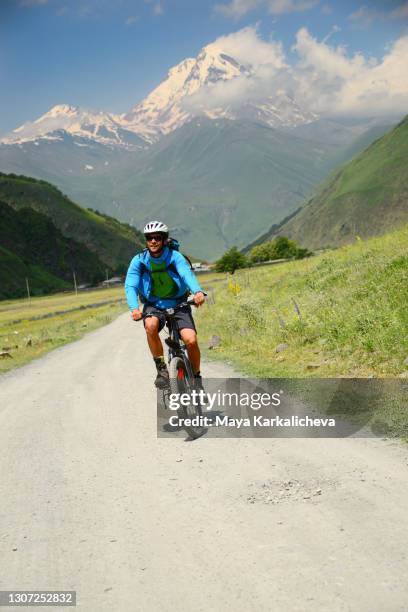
199	298
136	314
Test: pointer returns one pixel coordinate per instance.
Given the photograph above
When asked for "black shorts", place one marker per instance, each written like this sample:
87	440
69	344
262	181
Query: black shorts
183	316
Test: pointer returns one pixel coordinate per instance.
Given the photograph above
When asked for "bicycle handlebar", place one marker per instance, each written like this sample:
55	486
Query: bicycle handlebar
188	302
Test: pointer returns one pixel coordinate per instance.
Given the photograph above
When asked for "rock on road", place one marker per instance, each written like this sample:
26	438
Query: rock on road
93	501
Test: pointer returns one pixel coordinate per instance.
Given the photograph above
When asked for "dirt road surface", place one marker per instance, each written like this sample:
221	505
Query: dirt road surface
92	501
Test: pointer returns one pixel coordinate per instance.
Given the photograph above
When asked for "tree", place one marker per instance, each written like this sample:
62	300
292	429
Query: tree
279	248
261	252
231	261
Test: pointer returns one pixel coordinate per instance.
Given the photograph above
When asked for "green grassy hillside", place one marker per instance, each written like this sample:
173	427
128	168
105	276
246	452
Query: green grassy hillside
14	271
113	243
366	197
32	247
341	313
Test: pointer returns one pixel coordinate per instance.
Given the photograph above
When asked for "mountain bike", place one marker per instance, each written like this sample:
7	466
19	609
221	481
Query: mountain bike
181	373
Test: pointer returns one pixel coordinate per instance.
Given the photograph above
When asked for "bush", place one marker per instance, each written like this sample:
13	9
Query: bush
231	261
279	248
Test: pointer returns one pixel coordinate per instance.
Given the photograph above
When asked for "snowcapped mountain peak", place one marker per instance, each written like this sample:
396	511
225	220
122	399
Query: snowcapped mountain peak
215	56
214	84
188	92
62	110
212	66
164	109
104	128
181	67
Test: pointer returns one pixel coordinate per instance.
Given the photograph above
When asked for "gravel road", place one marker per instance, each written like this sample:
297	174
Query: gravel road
92	501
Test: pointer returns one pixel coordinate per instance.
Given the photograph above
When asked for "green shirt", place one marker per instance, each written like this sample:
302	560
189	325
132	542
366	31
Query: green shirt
163	286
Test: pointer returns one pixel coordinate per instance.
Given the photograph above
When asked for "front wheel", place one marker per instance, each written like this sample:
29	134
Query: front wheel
181	383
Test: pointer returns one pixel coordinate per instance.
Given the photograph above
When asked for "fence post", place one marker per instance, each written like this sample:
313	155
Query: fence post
28	291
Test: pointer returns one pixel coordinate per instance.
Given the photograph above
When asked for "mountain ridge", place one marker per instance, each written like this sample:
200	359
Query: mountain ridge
202	178
33	248
167	107
112	242
365	197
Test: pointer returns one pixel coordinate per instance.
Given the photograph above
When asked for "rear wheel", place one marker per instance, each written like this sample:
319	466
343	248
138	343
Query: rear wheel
180	383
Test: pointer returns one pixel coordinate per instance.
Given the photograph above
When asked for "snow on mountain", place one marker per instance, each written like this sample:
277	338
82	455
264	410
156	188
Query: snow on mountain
186	93
164	110
101	127
169	105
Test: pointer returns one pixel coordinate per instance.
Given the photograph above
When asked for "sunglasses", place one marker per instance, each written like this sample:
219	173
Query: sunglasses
156	237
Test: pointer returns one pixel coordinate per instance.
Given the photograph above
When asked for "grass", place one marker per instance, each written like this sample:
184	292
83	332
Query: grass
377	166
28	331
342	313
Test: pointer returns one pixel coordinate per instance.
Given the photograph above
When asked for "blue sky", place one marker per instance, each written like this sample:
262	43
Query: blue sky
108	54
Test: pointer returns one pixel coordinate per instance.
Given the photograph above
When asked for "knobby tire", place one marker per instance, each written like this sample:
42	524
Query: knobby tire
179	383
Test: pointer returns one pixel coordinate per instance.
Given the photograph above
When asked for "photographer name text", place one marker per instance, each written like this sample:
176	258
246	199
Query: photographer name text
253	421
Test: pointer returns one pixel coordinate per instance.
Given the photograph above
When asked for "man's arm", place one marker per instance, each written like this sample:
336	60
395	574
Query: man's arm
132	283
188	277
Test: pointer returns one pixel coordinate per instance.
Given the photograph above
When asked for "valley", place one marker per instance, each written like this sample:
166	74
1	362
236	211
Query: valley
219	175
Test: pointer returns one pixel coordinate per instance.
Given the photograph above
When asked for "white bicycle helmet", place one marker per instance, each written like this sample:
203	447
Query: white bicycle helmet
155	226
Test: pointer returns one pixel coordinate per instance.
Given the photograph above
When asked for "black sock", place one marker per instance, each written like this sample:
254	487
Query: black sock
159	361
197	374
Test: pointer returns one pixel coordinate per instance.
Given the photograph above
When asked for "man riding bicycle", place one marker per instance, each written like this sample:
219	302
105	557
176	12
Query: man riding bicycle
162	277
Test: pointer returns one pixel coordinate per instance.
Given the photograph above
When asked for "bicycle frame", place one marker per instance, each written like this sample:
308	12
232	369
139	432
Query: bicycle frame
175	348
174	341
177	351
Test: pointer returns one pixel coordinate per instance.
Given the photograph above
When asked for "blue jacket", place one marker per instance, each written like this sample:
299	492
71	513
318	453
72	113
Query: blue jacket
138	280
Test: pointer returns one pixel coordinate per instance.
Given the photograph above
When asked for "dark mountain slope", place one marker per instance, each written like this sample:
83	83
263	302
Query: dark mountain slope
32	247
113	243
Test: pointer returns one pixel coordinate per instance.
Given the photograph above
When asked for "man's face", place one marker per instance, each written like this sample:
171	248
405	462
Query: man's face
155	243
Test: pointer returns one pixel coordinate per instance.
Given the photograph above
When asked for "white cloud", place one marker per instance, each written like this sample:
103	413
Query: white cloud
238	8
333	83
334	30
158	9
400	12
264	60
246	46
131	20
323	78
278	7
365	16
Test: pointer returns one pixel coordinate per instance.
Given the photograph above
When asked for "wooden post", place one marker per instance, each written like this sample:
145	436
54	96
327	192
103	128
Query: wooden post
75	283
28	291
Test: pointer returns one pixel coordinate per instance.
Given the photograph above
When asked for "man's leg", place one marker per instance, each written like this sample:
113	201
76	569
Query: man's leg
153	338
189	338
152	325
